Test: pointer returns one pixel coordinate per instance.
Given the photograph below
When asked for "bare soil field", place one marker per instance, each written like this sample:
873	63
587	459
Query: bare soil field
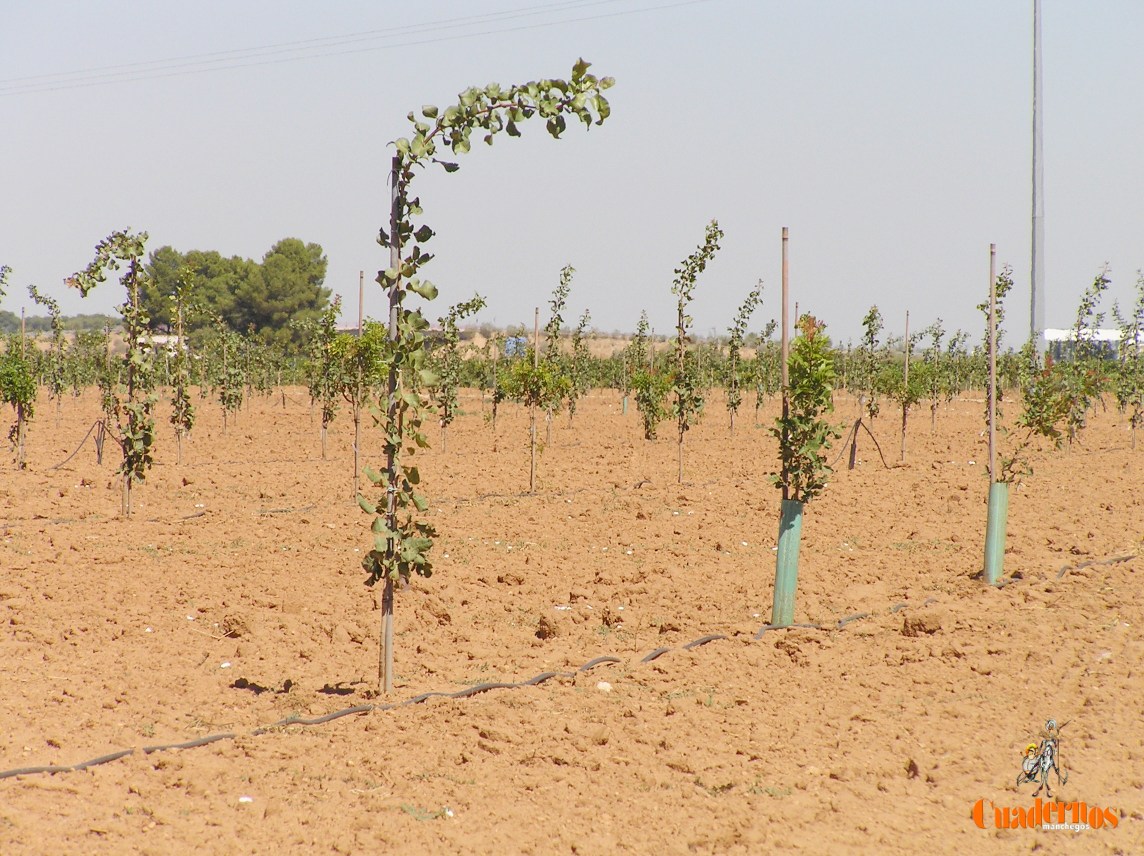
231	603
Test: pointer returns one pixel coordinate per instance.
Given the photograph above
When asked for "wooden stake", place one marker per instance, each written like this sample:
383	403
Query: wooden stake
532	407
785	341
385	666
992	363
906	380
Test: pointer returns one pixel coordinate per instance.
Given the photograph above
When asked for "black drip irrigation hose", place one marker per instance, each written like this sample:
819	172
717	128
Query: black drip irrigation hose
468	692
97	423
478	689
860	423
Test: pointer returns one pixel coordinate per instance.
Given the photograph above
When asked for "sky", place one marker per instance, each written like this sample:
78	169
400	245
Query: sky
892	137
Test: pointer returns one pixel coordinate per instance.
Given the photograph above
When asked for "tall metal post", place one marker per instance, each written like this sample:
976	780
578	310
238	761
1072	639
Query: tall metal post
1037	299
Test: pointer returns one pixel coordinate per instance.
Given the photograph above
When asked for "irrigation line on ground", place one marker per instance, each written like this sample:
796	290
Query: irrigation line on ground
478	689
94	425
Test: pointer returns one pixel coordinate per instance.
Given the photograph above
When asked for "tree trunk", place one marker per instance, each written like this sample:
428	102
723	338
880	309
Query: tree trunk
21	430
532	450
854	445
385	650
905	416
357	449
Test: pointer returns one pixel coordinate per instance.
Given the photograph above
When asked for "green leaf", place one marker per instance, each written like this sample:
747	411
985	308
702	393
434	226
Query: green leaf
603	108
370	473
429	111
365	505
421	502
423	234
425	289
579	69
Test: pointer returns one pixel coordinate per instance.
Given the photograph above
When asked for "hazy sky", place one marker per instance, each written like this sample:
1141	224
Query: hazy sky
893	138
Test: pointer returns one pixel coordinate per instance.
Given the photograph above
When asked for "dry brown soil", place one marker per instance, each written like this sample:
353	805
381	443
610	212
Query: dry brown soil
233	599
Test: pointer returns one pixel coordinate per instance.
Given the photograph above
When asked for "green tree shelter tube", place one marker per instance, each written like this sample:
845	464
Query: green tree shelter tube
995	531
786	570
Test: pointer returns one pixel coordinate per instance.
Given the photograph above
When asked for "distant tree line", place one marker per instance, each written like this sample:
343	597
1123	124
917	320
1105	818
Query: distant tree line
10	322
273	300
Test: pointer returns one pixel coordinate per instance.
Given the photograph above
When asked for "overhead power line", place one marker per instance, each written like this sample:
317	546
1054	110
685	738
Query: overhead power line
408	35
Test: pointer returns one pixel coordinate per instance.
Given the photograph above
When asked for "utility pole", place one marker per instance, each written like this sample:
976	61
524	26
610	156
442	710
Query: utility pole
1037	297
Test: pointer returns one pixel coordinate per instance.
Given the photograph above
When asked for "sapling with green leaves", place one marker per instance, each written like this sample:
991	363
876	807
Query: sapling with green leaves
231	379
579	364
869	363
540	385
107	379
956	359
1044	400
864	377
55	377
738	332
639	347
902	383
1130	369
650	386
805	433
360	371
136	398
17	388
552	356
687	403
936	375
323	370
1084	374
495	348
17	385
401	539
1003	284
182	410
768	366
448	362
